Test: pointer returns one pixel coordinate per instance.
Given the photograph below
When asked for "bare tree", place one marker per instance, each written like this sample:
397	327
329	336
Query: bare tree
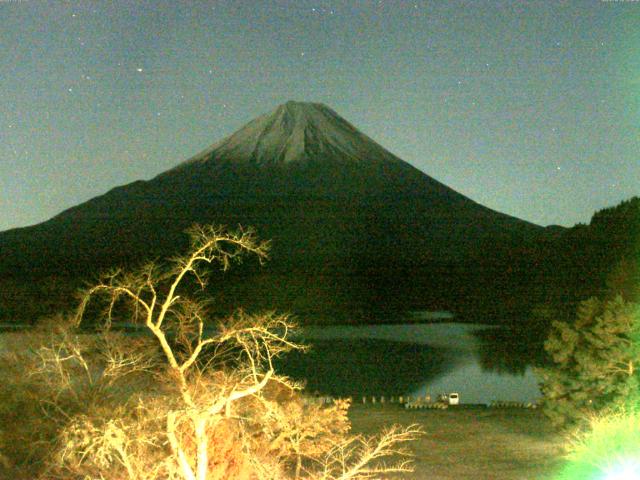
206	402
358	458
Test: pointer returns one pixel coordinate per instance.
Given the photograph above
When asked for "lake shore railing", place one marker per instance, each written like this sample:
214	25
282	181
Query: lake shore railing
419	402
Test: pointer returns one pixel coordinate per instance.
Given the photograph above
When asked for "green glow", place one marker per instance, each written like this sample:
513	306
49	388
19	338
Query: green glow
609	451
624	471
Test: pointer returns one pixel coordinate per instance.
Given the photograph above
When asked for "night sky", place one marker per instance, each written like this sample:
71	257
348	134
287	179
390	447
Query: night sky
532	109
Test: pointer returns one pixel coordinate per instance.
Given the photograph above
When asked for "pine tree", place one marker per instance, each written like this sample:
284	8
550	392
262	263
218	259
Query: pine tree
595	361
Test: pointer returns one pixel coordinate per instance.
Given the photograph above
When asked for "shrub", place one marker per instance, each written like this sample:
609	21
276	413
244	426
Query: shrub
609	449
595	361
192	398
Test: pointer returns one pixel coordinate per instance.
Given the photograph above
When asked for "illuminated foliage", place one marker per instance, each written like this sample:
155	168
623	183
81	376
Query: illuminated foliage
608	450
595	361
186	397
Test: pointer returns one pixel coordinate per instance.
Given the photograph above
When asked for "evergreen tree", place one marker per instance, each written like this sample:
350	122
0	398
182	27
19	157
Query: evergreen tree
595	361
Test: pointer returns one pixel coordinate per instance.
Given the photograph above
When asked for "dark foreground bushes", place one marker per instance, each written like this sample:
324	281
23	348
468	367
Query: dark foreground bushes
184	398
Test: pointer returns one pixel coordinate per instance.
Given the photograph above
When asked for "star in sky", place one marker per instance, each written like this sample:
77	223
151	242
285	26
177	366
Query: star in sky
456	89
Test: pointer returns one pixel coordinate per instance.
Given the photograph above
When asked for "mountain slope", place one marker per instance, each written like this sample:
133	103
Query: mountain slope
364	227
295	132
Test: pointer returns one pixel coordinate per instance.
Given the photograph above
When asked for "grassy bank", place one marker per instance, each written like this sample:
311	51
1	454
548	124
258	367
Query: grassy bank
474	443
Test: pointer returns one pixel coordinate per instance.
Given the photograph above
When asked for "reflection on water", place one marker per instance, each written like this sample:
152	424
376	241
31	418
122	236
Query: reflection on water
362	366
410	359
481	363
503	350
477	385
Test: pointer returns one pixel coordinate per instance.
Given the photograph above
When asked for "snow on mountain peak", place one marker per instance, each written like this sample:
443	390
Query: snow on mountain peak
293	132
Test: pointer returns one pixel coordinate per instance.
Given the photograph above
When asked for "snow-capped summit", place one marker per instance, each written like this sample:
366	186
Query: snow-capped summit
293	132
346	216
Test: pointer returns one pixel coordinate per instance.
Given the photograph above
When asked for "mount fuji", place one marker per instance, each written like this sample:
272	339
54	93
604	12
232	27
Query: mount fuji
353	227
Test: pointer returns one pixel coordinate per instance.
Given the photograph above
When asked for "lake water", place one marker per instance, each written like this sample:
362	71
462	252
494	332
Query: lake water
414	359
410	359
